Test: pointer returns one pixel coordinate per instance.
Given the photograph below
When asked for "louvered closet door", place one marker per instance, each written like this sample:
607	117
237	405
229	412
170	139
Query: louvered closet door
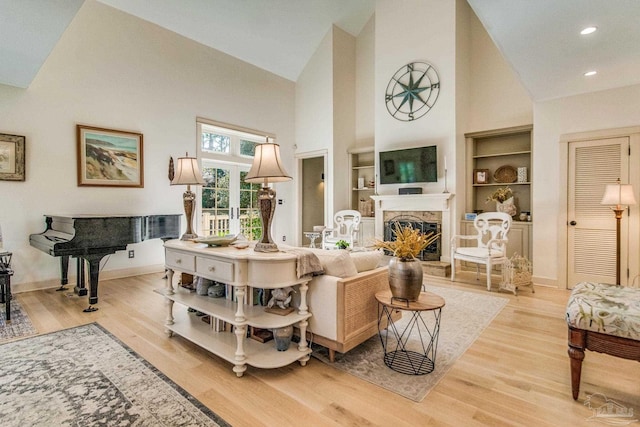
592	226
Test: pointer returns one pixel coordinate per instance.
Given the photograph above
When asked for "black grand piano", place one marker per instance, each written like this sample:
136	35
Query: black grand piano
91	237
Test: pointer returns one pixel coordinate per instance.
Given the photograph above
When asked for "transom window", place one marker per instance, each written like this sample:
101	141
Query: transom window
229	205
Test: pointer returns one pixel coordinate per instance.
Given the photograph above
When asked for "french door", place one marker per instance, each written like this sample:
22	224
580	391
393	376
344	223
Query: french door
229	205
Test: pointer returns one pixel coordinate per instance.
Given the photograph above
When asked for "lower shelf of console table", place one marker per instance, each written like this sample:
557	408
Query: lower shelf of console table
234	346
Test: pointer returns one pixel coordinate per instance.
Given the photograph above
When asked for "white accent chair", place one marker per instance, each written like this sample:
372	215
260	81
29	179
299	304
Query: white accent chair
347	223
490	244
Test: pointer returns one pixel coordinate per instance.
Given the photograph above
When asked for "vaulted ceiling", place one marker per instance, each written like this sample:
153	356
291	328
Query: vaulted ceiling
540	39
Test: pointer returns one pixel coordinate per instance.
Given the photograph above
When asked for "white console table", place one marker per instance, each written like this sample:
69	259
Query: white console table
240	269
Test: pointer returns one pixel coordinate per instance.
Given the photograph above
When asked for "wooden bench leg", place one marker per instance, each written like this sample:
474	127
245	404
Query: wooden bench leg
577	356
577	343
332	355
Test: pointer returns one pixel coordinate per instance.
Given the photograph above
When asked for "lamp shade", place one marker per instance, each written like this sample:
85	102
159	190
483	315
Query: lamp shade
187	172
618	194
267	165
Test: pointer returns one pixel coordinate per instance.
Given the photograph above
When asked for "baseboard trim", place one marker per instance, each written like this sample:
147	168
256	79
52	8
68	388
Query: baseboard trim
104	275
545	281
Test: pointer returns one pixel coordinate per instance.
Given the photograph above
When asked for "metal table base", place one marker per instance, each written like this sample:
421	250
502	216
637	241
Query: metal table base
401	354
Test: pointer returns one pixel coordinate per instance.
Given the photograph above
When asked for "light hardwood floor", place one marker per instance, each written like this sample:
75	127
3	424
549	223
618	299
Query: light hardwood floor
515	373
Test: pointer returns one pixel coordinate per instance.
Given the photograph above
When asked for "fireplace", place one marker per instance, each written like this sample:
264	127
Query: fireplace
433	251
427	208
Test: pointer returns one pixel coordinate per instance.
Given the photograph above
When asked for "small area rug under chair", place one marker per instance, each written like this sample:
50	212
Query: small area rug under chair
19	326
85	376
464	317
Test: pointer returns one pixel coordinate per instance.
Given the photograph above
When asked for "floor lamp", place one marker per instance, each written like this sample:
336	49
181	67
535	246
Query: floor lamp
619	196
188	173
266	168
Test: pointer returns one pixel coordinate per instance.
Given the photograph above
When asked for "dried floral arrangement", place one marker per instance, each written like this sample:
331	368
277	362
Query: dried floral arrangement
409	242
500	195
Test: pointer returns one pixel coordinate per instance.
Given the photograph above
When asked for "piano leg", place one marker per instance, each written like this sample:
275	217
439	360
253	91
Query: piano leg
80	288
94	270
64	272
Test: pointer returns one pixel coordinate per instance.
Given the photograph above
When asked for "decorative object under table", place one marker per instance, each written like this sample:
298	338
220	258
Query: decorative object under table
399	355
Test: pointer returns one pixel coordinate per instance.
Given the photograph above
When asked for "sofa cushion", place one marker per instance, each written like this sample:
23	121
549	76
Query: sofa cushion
336	262
366	260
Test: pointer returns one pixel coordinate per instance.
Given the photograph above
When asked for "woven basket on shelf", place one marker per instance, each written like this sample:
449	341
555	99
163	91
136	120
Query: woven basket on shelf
505	174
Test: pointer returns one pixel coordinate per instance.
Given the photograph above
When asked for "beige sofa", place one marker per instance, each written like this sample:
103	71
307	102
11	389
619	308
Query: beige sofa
342	301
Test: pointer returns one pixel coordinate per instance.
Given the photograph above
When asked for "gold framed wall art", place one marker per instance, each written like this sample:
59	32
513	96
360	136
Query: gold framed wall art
12	167
109	158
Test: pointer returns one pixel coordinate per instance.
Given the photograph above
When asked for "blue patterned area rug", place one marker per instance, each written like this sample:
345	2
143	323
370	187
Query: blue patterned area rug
19	326
85	376
464	317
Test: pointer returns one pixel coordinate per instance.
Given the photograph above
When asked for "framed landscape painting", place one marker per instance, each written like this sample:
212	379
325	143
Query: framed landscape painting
109	158
11	157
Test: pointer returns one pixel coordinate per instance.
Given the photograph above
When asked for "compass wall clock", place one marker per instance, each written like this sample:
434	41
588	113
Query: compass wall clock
412	91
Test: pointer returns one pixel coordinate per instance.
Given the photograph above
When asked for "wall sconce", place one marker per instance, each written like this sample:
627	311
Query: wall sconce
267	167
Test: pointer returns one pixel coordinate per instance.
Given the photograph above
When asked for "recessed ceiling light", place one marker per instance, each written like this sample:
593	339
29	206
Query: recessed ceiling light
590	73
588	30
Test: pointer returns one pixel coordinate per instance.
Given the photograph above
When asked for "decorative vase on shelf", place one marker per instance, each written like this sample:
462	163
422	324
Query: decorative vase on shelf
405	278
282	337
508	207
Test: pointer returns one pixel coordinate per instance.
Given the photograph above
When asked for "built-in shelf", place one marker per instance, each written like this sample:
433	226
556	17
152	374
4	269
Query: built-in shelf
501	184
362	166
489	151
510	153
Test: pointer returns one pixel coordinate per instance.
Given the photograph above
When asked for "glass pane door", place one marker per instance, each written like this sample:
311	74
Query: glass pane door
229	205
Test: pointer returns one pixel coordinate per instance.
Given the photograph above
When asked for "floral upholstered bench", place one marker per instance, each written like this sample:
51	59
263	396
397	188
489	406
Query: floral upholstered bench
602	318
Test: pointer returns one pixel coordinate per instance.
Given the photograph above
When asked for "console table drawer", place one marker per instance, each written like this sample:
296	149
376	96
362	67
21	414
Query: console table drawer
180	261
215	269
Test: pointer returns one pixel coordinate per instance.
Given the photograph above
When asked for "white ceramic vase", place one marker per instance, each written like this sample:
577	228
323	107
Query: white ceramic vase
508	207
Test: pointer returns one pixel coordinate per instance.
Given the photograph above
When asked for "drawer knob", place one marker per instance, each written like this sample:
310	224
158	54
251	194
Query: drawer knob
178	261
212	269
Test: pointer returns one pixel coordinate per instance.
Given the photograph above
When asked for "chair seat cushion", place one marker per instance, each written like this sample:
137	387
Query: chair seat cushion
607	309
479	252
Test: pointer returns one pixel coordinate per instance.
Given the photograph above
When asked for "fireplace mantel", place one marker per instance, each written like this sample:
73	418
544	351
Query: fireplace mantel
413	202
438	202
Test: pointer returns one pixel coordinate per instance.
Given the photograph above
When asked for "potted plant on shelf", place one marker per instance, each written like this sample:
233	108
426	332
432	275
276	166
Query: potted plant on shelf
342	244
405	270
503	197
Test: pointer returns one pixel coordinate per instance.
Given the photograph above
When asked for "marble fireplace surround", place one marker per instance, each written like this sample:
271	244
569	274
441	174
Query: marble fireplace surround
422	205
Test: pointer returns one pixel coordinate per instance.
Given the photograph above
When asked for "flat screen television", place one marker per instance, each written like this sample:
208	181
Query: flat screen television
410	165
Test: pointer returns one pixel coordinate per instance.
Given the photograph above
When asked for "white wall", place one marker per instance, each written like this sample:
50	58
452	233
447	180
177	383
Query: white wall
365	86
325	112
408	31
116	71
496	98
614	108
344	113
314	111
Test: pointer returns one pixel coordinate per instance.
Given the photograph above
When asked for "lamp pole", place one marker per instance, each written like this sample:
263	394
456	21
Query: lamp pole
618	211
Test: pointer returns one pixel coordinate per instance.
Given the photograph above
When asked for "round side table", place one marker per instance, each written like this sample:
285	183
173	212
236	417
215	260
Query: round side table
401	355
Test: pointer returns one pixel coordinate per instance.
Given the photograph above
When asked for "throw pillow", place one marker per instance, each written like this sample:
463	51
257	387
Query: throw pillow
366	260
336	262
